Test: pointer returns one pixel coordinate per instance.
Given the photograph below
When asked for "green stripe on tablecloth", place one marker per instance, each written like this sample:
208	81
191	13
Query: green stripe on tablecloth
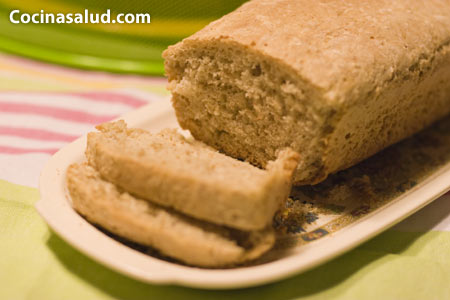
36	264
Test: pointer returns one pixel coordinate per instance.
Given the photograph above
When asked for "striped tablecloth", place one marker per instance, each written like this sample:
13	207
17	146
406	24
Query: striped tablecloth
44	107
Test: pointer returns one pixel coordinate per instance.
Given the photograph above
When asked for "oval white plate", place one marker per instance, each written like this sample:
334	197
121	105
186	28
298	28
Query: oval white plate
55	208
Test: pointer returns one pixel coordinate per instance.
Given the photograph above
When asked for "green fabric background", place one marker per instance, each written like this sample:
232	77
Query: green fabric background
37	264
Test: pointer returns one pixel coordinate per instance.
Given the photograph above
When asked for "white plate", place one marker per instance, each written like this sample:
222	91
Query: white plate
55	208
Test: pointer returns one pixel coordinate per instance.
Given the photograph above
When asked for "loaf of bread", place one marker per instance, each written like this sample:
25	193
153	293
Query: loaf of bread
334	80
190	177
177	236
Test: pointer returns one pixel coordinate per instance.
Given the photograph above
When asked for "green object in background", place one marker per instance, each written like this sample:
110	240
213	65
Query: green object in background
124	48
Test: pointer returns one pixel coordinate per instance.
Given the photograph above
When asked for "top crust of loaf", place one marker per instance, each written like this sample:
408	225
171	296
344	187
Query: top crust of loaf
336	46
170	170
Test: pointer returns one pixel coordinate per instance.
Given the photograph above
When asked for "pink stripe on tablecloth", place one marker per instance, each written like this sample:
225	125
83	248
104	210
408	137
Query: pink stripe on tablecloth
36	134
94	96
15	150
57	113
110	97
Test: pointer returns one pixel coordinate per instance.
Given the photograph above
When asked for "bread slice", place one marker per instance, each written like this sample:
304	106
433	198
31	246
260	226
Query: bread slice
334	80
177	236
190	177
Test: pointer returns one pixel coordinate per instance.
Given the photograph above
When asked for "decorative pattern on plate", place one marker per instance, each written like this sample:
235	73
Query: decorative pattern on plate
316	211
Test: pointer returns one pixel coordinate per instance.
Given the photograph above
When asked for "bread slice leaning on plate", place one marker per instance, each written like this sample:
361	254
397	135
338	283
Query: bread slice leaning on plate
190	177
186	239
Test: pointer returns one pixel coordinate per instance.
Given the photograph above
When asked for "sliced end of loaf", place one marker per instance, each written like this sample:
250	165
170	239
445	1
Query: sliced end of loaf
247	105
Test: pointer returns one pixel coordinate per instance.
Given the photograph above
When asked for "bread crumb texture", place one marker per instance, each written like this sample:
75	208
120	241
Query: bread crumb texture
188	176
175	235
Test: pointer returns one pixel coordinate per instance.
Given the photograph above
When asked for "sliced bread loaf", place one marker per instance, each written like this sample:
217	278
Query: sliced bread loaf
177	236
334	80
170	170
